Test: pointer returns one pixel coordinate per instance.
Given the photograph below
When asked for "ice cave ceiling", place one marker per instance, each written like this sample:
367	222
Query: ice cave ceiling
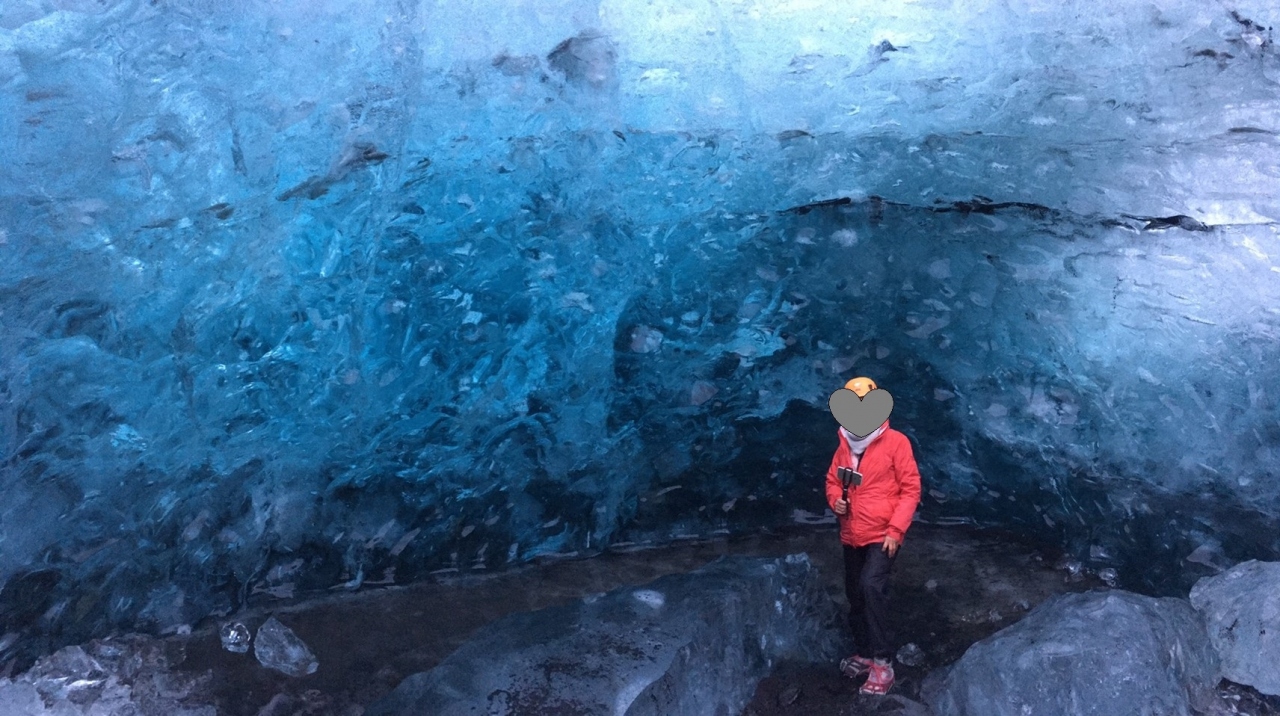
320	292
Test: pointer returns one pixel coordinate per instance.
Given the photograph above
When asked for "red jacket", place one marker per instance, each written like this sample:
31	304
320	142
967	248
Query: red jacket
886	501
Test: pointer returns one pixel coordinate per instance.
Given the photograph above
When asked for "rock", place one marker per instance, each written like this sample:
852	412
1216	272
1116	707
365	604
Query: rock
685	643
645	339
1241	608
789	695
277	647
911	655
1105	652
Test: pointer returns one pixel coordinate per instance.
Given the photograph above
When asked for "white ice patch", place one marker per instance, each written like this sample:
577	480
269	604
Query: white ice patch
124	437
650	597
847	238
659	79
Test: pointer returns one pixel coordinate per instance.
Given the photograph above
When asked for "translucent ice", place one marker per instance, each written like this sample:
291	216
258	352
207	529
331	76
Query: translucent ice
277	647
235	637
1241	608
119	676
717	635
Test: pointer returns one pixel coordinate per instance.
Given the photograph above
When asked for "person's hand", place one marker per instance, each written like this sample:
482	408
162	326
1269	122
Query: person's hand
842	506
891	546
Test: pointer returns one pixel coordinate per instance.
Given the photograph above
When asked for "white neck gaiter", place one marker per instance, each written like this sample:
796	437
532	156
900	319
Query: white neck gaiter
859	445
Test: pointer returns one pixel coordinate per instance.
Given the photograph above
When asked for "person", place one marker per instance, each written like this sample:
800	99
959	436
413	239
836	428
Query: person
873	522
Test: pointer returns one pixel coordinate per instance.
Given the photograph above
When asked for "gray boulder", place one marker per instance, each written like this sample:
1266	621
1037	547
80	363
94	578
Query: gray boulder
1102	652
1241	608
693	643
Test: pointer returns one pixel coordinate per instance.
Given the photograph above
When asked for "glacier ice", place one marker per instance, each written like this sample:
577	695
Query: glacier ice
110	677
235	637
718	634
1090	653
1241	609
278	647
329	293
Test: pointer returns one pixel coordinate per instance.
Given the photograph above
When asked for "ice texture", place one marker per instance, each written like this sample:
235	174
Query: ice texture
327	293
277	647
1102	652
1241	608
235	637
120	676
682	644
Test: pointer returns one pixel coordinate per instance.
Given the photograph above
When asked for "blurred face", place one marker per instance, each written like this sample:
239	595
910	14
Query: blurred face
861	386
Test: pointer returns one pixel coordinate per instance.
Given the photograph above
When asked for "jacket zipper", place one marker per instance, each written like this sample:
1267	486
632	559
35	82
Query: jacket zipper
853	492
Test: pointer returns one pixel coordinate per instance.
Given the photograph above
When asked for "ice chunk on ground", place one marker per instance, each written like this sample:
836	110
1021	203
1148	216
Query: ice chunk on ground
1241	608
277	647
717	634
1102	652
120	676
235	638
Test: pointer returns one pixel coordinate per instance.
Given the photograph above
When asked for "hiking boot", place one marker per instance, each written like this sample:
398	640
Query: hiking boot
855	666
879	679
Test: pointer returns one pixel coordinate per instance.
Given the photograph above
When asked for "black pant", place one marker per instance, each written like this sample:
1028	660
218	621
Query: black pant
866	584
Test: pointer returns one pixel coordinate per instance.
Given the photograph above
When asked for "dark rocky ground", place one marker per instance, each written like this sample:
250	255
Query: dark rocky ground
953	586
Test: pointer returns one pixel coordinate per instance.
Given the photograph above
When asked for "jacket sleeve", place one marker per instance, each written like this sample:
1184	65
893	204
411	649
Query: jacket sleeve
904	466
833	481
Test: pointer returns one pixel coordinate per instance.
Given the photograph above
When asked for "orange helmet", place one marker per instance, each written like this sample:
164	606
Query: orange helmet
861	386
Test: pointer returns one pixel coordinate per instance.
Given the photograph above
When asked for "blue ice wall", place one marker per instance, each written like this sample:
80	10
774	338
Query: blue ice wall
305	295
